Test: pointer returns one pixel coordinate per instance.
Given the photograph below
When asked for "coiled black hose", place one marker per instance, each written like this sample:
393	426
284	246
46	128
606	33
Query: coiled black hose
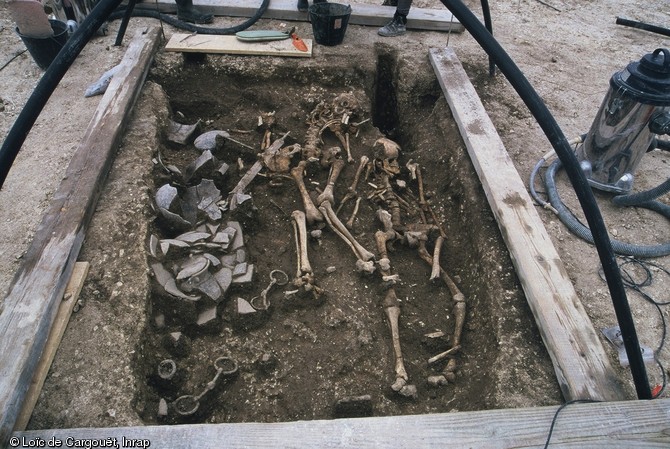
172	20
583	232
47	84
578	180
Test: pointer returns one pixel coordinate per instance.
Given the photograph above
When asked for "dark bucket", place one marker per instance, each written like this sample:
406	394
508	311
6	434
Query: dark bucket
44	50
329	22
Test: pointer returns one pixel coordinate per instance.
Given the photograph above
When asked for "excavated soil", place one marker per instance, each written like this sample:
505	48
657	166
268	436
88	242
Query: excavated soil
321	352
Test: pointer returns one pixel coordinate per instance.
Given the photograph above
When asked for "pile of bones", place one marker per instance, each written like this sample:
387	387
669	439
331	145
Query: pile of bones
213	256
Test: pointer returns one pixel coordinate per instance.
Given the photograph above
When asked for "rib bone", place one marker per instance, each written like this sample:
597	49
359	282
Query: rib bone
311	212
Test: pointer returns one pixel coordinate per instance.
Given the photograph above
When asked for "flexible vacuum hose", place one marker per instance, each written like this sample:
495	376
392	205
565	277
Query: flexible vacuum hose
172	20
47	84
575	226
579	182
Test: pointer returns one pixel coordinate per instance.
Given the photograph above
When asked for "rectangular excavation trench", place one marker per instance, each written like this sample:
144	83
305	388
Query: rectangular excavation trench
297	360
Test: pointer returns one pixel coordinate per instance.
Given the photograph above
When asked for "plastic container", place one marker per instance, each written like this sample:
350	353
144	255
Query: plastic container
329	22
44	50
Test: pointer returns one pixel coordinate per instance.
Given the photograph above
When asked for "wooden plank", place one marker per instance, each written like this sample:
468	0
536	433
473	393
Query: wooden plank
632	424
37	288
65	308
205	43
580	361
361	14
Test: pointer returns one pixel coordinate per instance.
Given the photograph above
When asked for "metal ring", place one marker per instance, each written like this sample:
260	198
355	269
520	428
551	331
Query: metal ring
186	405
167	369
227	365
281	280
253	302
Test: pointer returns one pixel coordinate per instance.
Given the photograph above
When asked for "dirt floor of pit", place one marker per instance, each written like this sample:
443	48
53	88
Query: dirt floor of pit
93	379
338	346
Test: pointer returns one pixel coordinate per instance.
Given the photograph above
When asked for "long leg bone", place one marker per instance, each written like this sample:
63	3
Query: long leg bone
336	225
392	314
300	231
435	273
304	278
327	194
350	223
325	201
351	191
457	296
392	309
311	212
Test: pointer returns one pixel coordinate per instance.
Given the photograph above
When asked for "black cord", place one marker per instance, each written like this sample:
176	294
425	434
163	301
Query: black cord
637	284
553	421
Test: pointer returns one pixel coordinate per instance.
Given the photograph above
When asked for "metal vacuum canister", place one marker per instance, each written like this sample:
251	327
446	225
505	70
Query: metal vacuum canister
635	109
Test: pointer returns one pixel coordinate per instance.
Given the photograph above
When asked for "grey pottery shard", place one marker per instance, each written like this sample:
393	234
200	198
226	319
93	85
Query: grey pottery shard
204	283
165	280
193	236
211	140
202	197
165	197
180	133
193	267
202	165
224	277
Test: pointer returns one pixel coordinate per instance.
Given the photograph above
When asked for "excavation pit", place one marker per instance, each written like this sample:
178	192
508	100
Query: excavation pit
305	356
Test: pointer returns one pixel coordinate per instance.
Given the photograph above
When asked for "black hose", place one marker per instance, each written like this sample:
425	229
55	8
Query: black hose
636	199
583	232
172	20
578	180
643	26
488	23
47	84
659	144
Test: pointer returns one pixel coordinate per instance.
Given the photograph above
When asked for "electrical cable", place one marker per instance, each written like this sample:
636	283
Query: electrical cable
637	285
172	20
583	190
560	408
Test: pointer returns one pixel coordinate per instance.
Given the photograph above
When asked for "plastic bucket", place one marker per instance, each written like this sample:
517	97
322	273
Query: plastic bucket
329	22
44	50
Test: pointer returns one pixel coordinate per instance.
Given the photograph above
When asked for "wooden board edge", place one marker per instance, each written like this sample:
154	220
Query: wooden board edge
70	297
630	424
582	367
362	14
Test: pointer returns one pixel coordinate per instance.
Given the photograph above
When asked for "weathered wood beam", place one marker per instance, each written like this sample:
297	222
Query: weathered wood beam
581	364
65	309
632	424
361	14
29	310
205	43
